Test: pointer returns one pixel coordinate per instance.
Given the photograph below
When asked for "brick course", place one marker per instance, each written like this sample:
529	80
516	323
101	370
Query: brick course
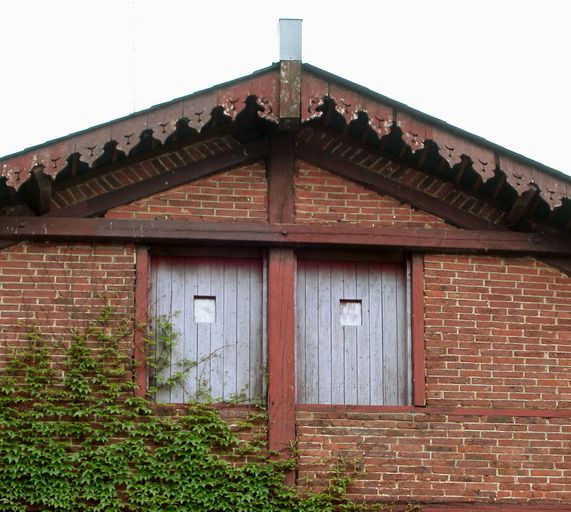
323	197
437	458
238	194
498	332
61	287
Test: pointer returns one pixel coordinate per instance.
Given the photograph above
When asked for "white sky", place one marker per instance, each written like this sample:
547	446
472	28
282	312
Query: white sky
497	68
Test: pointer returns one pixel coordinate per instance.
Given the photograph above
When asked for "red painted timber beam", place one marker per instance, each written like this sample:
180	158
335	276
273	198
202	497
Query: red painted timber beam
141	320
292	235
418	345
281	353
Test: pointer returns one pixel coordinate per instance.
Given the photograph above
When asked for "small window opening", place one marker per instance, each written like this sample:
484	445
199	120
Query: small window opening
350	312
204	309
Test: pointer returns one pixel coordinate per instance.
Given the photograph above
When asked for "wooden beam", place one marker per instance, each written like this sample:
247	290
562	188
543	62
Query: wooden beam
563	264
417	331
141	320
290	94
364	176
281	171
299	235
98	205
521	208
281	351
39	192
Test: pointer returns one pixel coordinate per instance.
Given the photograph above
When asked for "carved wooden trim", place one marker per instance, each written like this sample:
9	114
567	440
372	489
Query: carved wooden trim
522	177
349	102
313	91
451	148
196	111
126	132
414	132
519	176
102	202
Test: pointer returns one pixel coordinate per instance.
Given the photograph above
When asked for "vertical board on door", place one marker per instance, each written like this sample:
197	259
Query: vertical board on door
362	363
219	355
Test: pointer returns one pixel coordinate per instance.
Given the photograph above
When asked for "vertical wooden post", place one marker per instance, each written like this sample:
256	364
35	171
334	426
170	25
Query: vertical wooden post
290	73
141	319
281	172
281	356
418	355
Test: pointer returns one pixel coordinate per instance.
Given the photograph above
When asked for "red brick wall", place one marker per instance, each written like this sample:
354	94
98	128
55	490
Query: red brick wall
498	332
434	457
324	197
59	287
498	357
239	194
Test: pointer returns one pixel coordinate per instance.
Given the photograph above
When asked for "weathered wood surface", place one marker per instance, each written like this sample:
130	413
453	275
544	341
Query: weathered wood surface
367	364
306	235
229	350
281	171
141	320
281	351
418	359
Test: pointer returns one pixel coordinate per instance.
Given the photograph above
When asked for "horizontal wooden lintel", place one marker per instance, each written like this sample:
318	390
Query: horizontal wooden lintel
305	235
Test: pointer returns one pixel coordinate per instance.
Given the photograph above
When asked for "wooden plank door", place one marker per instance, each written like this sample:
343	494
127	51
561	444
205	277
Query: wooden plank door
353	333
216	308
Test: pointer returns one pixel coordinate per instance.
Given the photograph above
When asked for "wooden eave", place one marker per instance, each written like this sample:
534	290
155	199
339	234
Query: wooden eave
346	129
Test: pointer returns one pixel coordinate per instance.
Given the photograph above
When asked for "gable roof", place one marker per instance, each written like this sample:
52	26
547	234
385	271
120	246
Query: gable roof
344	127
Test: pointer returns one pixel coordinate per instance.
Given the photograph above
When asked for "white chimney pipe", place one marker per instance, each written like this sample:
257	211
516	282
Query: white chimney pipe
290	39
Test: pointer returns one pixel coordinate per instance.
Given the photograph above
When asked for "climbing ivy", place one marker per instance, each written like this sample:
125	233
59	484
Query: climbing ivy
74	438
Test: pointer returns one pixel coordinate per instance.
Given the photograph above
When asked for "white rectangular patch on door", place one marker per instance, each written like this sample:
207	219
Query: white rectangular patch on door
350	312
204	310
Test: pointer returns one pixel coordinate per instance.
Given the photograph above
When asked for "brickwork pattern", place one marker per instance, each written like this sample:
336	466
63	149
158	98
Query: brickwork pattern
498	332
61	287
498	339
238	194
323	197
436	458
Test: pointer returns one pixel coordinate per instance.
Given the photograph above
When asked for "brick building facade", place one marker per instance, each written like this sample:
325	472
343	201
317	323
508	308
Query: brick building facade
433	344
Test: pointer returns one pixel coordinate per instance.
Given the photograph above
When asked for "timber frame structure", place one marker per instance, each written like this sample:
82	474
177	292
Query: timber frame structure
287	111
492	201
